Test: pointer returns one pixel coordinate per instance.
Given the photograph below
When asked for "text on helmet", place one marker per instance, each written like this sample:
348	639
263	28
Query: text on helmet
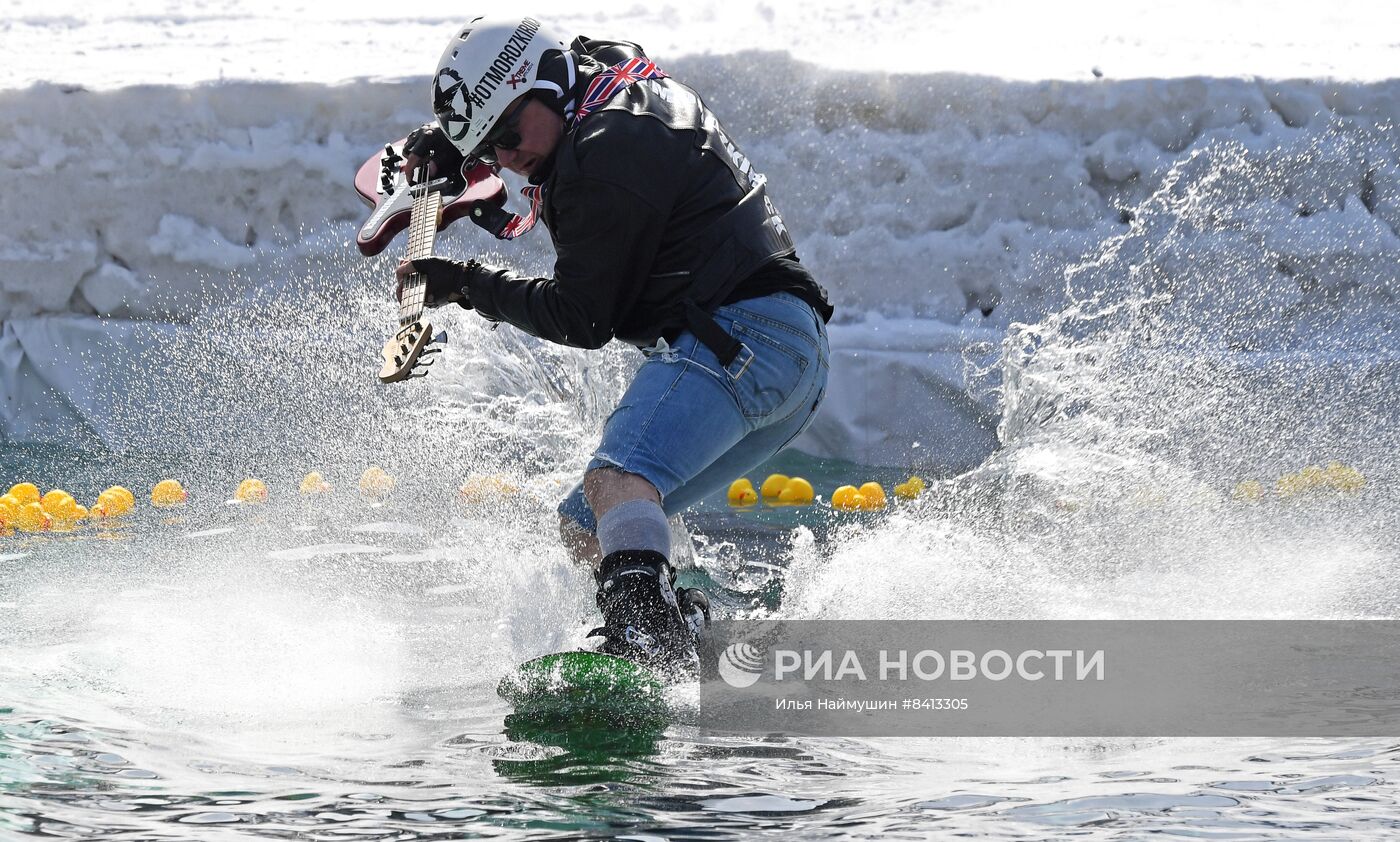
500	69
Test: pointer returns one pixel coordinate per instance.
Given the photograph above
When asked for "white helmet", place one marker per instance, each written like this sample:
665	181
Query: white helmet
485	67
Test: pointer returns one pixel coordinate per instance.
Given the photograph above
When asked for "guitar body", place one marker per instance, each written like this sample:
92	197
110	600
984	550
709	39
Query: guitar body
384	187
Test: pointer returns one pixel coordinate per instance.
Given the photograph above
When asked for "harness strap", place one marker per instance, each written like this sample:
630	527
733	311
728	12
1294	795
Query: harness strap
725	347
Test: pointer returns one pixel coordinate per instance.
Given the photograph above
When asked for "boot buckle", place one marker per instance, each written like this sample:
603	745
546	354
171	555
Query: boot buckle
643	641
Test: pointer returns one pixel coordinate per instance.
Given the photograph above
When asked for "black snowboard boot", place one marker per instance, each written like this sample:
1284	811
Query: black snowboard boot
642	615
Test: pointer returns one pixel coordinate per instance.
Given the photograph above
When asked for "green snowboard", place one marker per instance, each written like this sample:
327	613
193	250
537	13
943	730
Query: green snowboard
586	687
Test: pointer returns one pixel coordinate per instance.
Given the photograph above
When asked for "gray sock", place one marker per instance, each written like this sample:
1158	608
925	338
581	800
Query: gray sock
635	525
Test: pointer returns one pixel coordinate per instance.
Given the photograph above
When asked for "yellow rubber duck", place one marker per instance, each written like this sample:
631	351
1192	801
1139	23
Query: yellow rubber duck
104	507
31	517
773	486
910	489
741	492
797	492
873	495
314	483
1249	491
483	488
376	482
60	506
114	502
117	503
168	492
54	497
251	490
25	492
847	498
1344	478
128	500
1312	477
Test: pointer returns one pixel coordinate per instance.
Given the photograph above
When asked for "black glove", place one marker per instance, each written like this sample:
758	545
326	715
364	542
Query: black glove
429	141
445	281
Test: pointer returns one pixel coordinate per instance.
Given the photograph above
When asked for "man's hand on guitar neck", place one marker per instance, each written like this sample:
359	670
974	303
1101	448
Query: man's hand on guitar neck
445	280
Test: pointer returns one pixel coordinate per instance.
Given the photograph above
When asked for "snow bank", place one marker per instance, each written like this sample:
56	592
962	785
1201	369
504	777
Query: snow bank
121	43
937	208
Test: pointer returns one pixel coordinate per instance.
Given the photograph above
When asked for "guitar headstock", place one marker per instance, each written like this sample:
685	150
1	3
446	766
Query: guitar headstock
405	351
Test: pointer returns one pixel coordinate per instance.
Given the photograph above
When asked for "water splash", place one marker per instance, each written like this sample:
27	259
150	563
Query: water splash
1192	355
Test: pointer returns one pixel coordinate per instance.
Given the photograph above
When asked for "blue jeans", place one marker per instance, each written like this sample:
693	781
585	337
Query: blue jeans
690	426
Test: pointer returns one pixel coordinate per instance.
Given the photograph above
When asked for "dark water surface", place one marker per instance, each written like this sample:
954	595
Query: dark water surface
327	671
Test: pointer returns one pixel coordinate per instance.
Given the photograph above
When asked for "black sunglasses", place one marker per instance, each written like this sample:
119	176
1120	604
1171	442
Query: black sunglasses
504	135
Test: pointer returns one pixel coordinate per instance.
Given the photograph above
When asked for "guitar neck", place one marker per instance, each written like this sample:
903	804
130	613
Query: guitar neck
422	236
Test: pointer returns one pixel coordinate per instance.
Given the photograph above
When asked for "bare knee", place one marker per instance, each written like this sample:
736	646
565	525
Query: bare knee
605	488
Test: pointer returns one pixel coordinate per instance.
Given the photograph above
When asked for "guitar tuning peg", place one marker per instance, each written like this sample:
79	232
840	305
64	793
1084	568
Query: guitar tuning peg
428	351
427	364
441	337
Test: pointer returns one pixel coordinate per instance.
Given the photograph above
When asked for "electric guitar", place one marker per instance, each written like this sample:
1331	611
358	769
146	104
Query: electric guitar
424	208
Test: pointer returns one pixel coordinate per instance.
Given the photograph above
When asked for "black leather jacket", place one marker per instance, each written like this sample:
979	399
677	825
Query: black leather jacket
640	201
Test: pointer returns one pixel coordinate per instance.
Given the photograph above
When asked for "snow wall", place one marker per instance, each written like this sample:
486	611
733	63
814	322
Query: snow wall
938	209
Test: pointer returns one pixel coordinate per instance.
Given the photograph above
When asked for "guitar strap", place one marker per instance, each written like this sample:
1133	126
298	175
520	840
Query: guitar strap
505	225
